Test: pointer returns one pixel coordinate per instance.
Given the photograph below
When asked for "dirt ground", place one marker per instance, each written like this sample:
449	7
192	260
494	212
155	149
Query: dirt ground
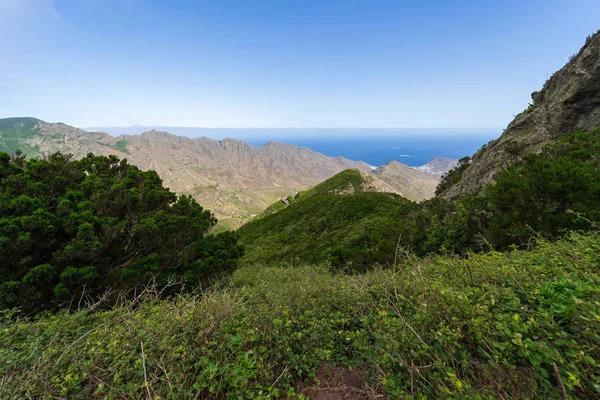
338	384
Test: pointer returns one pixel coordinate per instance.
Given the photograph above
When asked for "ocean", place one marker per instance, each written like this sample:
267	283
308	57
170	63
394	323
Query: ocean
376	147
411	150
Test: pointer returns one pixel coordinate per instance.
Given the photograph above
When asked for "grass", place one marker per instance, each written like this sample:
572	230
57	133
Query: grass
489	326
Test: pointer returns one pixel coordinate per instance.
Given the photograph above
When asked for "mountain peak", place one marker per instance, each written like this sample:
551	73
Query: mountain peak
155	133
350	181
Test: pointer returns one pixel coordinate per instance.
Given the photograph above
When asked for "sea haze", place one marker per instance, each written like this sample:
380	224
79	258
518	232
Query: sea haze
376	147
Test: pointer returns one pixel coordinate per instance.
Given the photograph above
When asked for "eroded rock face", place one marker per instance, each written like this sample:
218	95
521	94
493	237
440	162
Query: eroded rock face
568	102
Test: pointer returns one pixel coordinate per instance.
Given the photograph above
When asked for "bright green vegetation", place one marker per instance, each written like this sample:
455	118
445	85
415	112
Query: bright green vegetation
15	131
486	327
356	230
345	182
72	230
273	208
347	230
544	195
340	182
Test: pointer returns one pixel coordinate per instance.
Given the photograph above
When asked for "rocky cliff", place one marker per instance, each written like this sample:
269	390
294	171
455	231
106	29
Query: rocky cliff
568	102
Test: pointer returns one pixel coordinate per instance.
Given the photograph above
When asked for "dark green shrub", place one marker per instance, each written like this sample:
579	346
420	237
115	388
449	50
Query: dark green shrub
536	195
74	229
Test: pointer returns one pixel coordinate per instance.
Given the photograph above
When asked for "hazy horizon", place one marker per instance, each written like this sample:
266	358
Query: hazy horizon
219	133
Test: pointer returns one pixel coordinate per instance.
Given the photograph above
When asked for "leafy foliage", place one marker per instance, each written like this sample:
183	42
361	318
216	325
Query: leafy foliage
74	229
537	193
490	326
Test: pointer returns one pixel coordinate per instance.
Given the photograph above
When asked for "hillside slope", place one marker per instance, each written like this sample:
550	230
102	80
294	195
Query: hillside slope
409	182
232	178
347	219
568	102
38	138
352	228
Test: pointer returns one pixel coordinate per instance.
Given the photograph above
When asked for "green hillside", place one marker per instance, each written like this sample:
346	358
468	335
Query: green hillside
396	299
347	182
14	133
337	221
102	271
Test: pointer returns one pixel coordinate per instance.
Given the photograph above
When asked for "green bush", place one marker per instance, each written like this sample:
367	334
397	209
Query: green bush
71	230
544	193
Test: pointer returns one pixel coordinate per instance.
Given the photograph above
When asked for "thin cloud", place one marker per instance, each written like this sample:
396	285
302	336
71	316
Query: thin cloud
15	12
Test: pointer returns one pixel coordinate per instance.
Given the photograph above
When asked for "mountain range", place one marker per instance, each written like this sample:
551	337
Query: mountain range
232	178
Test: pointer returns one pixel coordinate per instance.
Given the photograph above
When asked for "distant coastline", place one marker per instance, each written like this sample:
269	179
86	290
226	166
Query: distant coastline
377	147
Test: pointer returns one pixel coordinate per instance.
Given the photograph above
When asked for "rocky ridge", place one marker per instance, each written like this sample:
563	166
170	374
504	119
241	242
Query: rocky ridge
568	102
438	166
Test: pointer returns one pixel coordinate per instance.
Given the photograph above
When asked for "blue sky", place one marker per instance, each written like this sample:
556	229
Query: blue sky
283	63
